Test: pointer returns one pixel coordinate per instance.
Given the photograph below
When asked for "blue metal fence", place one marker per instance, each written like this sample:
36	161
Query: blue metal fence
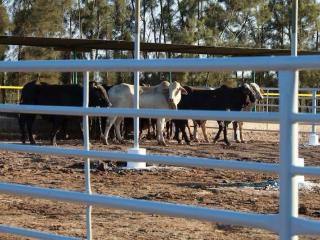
286	223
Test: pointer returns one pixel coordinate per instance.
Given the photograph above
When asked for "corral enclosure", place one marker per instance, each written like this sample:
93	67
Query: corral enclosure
207	187
163	183
247	190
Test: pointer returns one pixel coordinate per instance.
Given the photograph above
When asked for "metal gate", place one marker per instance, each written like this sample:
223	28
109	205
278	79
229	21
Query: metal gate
286	223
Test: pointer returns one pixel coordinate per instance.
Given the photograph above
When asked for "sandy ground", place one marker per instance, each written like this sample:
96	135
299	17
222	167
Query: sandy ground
213	188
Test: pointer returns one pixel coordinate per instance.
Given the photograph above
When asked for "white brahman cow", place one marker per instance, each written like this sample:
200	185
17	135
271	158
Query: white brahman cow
161	96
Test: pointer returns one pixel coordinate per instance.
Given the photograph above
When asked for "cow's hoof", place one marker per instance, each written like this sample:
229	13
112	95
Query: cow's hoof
238	141
215	141
228	144
189	143
162	144
105	142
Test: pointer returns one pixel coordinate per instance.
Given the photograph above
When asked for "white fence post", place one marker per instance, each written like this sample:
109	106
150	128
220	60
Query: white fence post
86	144
268	106
288	83
313	136
136	149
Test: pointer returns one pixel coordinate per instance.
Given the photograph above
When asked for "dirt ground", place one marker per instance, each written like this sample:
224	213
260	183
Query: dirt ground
213	188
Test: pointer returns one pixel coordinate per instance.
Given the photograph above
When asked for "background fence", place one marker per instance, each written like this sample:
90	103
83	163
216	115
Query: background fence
286	223
308	100
10	94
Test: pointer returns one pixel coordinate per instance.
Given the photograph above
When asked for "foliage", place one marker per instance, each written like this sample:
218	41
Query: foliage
227	23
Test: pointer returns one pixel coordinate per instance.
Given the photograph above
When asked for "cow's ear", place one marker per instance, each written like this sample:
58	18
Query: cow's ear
183	91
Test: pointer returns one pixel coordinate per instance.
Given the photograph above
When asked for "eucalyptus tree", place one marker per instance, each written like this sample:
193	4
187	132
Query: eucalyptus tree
309	26
38	18
123	30
4	27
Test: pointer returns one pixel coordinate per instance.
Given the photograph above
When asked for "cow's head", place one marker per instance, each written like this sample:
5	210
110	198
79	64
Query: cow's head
98	96
257	90
249	95
175	90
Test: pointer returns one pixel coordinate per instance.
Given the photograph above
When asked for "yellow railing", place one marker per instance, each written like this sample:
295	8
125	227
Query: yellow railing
11	87
13	95
265	94
300	94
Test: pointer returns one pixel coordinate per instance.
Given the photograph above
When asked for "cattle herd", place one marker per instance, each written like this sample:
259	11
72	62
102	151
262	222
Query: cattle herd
162	96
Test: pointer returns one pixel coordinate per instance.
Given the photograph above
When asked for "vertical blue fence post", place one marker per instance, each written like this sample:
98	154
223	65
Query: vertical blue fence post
314	108
288	84
86	144
137	74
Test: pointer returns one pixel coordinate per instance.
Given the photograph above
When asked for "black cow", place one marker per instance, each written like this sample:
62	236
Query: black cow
56	95
222	98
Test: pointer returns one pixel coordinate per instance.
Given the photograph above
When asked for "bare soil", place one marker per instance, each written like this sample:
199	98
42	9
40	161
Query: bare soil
212	188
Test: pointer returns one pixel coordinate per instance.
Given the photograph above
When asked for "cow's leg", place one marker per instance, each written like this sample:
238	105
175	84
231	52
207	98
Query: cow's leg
154	129
171	129
240	130
168	130
63	130
189	130
140	133
183	130
22	122
57	123
94	127
151	129
216	138
149	135
195	131
160	128
235	131
117	125
30	120
204	130
109	123
177	124
102	126
80	124
225	133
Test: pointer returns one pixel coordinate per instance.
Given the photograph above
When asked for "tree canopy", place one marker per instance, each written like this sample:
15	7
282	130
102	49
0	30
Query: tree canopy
226	23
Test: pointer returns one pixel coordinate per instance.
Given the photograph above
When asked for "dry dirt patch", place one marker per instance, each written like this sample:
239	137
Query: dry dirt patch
212	188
